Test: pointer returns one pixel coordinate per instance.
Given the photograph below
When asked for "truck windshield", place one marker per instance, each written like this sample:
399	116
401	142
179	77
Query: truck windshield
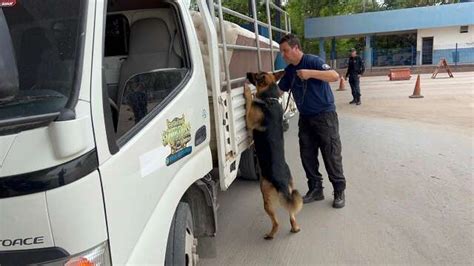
40	57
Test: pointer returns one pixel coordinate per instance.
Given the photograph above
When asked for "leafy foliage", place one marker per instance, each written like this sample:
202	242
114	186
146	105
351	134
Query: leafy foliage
299	10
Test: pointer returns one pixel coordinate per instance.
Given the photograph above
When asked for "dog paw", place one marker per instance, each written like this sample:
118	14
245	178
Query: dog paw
268	237
295	230
247	92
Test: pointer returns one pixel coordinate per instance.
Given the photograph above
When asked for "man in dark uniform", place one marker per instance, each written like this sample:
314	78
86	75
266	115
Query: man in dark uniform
355	69
307	76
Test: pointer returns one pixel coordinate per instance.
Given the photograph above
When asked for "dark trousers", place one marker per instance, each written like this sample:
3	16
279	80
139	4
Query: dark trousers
354	81
316	133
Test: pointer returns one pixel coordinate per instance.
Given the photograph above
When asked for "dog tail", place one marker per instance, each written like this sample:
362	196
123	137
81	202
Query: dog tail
293	202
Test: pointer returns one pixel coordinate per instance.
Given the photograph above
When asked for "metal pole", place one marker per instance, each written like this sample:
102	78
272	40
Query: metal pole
278	18
230	104
212	9
270	33
224	45
456	56
250	8
373	59
289	23
257	38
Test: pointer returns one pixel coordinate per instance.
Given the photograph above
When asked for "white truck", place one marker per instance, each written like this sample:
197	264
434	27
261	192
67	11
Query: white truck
113	138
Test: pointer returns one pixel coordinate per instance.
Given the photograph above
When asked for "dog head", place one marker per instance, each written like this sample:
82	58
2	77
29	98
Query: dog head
265	82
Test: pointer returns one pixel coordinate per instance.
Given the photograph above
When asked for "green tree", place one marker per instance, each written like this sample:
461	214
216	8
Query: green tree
300	10
397	4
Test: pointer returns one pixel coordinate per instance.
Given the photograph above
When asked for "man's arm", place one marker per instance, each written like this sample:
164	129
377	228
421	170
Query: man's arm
325	75
348	68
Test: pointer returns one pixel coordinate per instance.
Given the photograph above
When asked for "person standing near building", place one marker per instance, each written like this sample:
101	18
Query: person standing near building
355	69
308	77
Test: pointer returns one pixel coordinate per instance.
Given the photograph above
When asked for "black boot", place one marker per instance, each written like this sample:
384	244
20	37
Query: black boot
314	194
358	102
353	101
339	199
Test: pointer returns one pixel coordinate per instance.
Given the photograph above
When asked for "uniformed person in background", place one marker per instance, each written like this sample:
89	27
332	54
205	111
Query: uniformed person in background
355	69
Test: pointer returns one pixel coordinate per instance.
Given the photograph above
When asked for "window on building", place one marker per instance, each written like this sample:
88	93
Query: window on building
464	29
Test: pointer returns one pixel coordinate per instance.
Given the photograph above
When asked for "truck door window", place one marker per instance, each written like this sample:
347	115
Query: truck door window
155	65
145	92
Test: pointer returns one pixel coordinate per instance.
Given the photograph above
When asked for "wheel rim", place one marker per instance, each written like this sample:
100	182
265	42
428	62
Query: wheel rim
190	248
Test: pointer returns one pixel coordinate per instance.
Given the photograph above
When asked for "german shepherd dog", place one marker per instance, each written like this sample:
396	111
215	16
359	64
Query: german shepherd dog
264	116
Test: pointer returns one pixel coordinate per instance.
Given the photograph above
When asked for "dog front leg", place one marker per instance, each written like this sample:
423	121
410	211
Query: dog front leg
251	113
248	106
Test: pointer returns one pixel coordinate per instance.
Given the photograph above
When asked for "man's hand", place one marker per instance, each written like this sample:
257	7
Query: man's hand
304	74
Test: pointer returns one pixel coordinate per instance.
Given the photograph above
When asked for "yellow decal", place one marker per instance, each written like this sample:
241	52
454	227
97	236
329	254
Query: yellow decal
177	137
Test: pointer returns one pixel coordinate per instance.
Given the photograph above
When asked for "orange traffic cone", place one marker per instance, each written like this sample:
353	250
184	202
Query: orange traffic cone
417	90
341	85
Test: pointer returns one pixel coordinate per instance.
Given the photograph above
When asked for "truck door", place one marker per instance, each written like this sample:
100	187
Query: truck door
157	115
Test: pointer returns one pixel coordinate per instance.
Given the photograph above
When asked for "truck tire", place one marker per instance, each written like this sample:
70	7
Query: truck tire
182	246
248	167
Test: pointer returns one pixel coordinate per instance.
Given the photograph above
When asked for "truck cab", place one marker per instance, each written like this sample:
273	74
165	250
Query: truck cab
107	119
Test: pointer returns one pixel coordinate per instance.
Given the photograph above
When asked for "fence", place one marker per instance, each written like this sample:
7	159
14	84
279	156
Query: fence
455	54
385	57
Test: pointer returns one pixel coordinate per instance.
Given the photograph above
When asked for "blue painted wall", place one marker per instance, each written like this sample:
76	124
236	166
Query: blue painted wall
390	21
465	55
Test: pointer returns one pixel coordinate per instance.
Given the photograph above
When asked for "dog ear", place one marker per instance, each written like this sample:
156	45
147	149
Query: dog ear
278	75
251	78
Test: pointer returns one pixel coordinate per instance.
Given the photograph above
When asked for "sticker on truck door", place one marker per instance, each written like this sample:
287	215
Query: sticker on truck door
177	136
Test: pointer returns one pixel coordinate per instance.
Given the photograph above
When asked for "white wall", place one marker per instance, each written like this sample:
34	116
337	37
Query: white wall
446	38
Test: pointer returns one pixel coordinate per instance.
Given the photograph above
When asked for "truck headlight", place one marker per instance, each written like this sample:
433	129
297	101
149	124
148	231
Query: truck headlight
96	256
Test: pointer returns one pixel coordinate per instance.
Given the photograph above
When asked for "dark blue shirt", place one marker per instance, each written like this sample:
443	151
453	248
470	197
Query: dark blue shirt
312	96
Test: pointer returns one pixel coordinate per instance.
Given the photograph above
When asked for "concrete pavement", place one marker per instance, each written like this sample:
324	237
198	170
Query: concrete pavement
409	200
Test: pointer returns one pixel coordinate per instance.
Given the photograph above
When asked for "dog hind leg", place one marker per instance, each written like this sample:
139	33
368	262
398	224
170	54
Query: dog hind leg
294	205
295	228
271	212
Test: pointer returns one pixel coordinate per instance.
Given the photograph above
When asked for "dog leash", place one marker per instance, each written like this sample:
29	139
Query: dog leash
288	101
290	92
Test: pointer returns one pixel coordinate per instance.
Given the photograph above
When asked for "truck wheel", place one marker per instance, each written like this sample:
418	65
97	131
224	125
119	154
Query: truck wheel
182	246
248	167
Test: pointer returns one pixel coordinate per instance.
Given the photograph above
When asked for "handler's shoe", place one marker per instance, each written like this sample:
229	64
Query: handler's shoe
313	195
339	199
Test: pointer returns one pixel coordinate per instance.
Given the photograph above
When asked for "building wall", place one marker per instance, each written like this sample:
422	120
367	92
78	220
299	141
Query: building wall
444	44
